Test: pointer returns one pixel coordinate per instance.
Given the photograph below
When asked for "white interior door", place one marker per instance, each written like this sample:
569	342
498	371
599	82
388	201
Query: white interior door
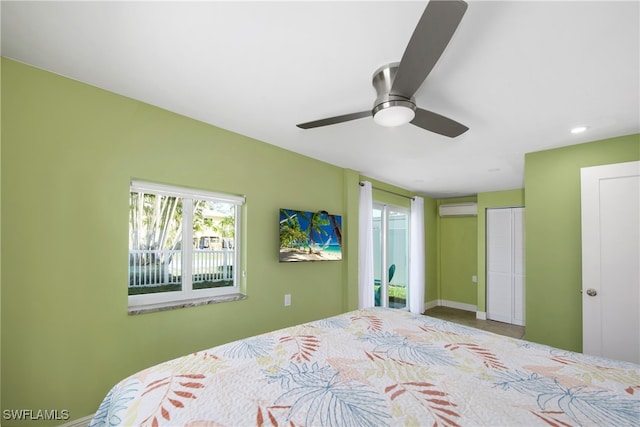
505	265
611	261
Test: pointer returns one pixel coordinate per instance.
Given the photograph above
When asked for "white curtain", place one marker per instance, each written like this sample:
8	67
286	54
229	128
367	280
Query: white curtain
366	297
416	257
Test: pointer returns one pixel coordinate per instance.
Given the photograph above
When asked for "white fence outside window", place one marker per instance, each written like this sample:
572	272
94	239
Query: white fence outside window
149	267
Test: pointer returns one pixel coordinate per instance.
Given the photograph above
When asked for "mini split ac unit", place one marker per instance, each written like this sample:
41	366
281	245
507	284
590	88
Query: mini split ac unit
459	209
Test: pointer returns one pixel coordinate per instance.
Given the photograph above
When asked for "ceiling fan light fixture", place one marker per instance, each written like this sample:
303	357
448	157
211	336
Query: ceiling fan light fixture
394	113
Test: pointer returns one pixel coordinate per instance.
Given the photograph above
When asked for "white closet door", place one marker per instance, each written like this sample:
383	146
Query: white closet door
505	265
499	265
518	266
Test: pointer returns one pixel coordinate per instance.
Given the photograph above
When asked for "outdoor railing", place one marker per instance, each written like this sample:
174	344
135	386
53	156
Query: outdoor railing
164	267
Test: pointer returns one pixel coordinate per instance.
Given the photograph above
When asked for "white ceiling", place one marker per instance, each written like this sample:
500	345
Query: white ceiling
519	74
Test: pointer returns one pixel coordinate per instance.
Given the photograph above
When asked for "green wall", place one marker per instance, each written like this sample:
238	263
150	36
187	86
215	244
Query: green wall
457	256
431	248
494	199
350	235
69	151
553	244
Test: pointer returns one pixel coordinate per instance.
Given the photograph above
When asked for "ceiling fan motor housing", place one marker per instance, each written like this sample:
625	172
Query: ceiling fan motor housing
382	82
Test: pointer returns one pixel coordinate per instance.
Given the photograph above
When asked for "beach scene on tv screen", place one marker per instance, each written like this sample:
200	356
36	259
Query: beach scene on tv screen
310	236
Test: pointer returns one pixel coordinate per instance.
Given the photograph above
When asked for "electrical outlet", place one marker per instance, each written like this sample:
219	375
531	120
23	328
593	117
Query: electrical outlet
287	300
474	279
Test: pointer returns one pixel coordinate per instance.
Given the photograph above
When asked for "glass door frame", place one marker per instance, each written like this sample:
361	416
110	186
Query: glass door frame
383	248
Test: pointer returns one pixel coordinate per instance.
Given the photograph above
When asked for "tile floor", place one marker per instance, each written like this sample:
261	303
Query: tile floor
468	318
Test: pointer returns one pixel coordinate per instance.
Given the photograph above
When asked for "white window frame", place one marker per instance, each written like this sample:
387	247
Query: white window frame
187	294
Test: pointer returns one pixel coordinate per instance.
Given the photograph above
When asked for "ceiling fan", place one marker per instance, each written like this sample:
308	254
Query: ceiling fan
396	83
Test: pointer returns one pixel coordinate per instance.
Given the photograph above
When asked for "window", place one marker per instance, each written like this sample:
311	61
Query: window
183	245
391	255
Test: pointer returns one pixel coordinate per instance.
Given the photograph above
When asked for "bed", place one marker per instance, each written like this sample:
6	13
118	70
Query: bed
378	367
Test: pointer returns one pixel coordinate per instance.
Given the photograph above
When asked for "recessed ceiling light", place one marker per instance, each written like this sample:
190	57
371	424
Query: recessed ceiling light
578	129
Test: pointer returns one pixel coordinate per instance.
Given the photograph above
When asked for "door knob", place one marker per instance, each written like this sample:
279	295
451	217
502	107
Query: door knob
592	292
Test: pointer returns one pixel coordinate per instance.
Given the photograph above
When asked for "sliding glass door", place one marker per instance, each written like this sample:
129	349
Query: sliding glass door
391	255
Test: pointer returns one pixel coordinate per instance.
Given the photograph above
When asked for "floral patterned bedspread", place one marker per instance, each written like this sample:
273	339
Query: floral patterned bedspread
378	367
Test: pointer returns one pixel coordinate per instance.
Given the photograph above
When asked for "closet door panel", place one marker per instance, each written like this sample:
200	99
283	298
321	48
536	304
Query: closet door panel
518	266
499	298
505	265
499	241
499	265
518	300
518	240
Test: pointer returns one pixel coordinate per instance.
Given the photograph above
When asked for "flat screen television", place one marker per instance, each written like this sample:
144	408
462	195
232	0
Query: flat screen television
310	236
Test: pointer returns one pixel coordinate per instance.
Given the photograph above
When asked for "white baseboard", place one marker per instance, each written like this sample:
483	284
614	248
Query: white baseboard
430	304
481	315
80	422
458	305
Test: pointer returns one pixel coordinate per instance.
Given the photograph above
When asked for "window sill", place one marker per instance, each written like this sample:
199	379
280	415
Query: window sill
150	308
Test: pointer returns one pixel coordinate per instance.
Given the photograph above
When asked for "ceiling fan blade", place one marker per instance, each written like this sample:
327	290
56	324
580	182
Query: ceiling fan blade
433	122
334	120
430	38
